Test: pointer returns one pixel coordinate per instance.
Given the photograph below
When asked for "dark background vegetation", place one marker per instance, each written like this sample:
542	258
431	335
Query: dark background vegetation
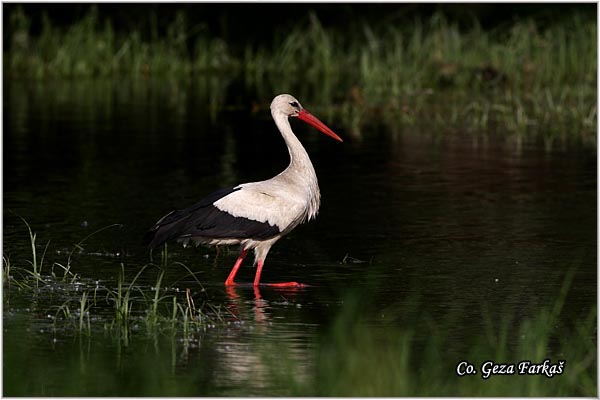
239	24
460	212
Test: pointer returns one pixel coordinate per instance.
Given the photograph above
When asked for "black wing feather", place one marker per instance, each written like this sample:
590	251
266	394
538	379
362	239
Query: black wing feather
204	220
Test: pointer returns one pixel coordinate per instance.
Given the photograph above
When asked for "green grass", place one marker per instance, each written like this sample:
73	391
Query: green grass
359	356
407	366
33	274
159	309
520	77
386	60
91	48
406	354
397	60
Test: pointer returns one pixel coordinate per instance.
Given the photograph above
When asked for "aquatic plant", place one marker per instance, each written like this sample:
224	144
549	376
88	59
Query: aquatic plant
521	77
358	354
36	263
160	308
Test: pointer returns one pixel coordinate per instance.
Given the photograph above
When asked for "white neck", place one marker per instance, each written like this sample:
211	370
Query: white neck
300	171
298	155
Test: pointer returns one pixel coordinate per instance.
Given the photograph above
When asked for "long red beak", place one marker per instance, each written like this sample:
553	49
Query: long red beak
314	121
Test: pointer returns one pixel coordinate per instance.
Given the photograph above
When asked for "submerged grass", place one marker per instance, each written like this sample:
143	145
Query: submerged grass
119	309
358	355
523	76
33	274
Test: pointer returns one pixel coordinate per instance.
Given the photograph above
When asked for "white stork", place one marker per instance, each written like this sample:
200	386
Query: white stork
257	214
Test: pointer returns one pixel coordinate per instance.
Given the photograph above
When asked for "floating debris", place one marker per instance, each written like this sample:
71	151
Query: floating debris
351	260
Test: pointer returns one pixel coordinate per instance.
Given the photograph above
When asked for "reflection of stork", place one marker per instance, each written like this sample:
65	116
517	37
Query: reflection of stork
261	308
236	304
256	214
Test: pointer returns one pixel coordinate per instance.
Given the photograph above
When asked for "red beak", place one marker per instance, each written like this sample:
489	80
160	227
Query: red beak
314	121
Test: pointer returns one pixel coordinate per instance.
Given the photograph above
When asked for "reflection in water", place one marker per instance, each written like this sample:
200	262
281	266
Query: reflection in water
455	229
238	306
255	343
259	307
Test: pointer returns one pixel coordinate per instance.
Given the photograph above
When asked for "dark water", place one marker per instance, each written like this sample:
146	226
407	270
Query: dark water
417	224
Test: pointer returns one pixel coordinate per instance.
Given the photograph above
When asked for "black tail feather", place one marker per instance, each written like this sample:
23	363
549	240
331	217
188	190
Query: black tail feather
205	221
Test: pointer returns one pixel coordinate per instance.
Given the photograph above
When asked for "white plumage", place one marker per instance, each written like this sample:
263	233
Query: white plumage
255	214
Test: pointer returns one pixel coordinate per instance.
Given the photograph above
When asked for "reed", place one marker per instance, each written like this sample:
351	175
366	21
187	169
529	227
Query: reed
91	48
387	60
521	77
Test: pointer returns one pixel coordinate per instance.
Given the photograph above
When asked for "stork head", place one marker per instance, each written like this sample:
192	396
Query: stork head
289	106
286	104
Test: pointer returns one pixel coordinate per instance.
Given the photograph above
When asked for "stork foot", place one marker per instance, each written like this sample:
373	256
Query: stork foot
231	284
285	285
280	285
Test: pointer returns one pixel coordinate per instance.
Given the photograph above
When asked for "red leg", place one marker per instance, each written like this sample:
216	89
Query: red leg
258	272
282	284
235	268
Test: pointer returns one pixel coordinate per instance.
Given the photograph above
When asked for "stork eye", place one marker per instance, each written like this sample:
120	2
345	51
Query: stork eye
294	104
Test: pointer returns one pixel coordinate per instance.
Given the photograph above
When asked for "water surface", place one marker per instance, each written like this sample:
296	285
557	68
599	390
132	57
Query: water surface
420	228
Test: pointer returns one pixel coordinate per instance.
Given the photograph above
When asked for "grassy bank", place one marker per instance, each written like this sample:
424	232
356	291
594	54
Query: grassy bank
521	77
385	60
